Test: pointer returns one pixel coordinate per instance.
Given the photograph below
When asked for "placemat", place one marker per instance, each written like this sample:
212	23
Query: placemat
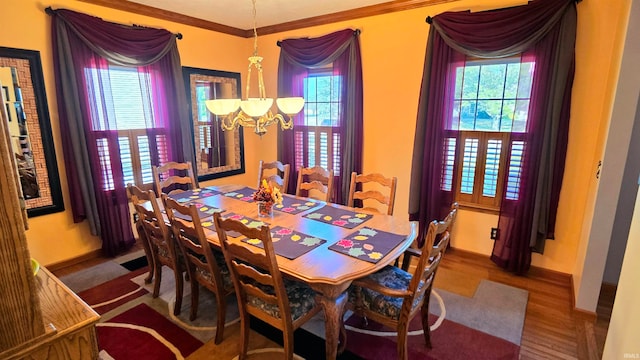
204	211
292	205
239	217
368	244
289	243
244	194
195	194
339	217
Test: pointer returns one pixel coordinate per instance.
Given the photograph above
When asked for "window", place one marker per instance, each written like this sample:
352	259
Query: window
318	139
122	102
490	109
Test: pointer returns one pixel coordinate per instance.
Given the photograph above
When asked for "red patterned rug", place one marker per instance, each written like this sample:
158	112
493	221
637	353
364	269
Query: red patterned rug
141	333
111	294
451	341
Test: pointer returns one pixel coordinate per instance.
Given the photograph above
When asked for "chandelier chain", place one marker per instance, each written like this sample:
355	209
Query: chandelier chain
255	31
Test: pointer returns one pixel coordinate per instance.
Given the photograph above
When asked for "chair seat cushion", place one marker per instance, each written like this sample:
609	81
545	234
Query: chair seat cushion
301	299
388	306
224	270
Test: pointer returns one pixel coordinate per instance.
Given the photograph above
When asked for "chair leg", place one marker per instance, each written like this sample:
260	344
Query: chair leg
177	274
158	279
424	313
245	326
287	335
142	236
222	313
403	329
195	299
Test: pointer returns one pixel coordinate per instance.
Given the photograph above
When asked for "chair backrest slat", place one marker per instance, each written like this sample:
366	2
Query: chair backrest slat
167	178
373	194
315	178
280	177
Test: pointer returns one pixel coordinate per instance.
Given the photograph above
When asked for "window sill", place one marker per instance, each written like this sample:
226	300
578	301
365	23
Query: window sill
479	208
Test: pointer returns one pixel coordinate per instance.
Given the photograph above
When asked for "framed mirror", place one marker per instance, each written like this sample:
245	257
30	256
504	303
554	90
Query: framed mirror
25	102
218	153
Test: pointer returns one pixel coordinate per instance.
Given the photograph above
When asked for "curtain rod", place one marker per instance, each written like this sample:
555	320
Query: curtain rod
429	19
49	10
356	32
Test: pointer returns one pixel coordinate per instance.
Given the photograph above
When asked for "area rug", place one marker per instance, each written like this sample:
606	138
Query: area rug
487	325
141	333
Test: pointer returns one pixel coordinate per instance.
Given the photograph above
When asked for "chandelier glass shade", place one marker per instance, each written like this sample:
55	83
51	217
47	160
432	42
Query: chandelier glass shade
255	112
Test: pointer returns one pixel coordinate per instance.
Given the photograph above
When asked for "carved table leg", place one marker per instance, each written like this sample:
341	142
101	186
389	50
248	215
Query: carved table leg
333	300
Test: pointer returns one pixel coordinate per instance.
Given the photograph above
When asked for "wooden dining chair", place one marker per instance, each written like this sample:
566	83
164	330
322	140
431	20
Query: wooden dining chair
260	288
163	248
138	196
173	177
382	182
438	245
206	266
315	179
278	174
393	297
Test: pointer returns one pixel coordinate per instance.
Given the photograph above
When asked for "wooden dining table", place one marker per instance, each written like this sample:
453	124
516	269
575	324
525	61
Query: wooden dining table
326	271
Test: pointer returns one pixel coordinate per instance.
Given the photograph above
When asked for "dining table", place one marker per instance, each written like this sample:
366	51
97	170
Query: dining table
330	259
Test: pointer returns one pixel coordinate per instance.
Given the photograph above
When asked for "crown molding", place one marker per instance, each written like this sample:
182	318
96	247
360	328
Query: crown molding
372	10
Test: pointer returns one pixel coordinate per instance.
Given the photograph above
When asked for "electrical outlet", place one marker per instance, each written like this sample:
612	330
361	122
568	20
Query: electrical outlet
494	233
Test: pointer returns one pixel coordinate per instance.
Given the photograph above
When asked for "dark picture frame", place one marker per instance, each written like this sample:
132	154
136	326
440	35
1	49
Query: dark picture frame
51	200
234	153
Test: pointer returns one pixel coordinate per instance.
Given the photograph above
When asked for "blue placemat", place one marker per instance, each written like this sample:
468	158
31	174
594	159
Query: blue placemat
292	205
368	244
195	194
204	211
289	243
339	217
239	217
244	194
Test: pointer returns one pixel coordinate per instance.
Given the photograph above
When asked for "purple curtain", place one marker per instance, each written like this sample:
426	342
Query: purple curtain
544	30
297	56
83	48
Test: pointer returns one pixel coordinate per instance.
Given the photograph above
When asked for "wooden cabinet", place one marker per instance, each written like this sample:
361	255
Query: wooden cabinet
40	318
69	324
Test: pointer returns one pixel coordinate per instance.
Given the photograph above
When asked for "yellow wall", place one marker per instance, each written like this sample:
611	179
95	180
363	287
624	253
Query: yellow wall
393	47
54	238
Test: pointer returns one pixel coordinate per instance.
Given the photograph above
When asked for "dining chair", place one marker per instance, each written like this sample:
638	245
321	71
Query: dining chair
393	297
280	175
373	193
439	245
138	196
206	266
315	179
261	290
163	248
173	177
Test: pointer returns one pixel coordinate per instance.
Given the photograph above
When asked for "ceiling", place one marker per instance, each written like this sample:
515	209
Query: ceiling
239	13
235	17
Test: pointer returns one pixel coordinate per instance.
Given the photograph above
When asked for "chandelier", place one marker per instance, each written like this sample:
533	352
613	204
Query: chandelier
255	112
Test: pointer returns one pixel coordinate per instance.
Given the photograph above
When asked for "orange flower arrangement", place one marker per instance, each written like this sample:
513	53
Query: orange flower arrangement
267	193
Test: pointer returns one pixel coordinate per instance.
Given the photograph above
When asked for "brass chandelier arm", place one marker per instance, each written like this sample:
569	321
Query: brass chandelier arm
231	122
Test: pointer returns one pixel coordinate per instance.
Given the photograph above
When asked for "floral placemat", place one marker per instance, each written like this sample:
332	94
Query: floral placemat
339	217
368	244
244	194
204	211
195	194
292	205
239	217
289	243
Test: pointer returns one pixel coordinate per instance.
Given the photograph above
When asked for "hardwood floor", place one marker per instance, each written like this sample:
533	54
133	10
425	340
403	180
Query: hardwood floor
552	329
